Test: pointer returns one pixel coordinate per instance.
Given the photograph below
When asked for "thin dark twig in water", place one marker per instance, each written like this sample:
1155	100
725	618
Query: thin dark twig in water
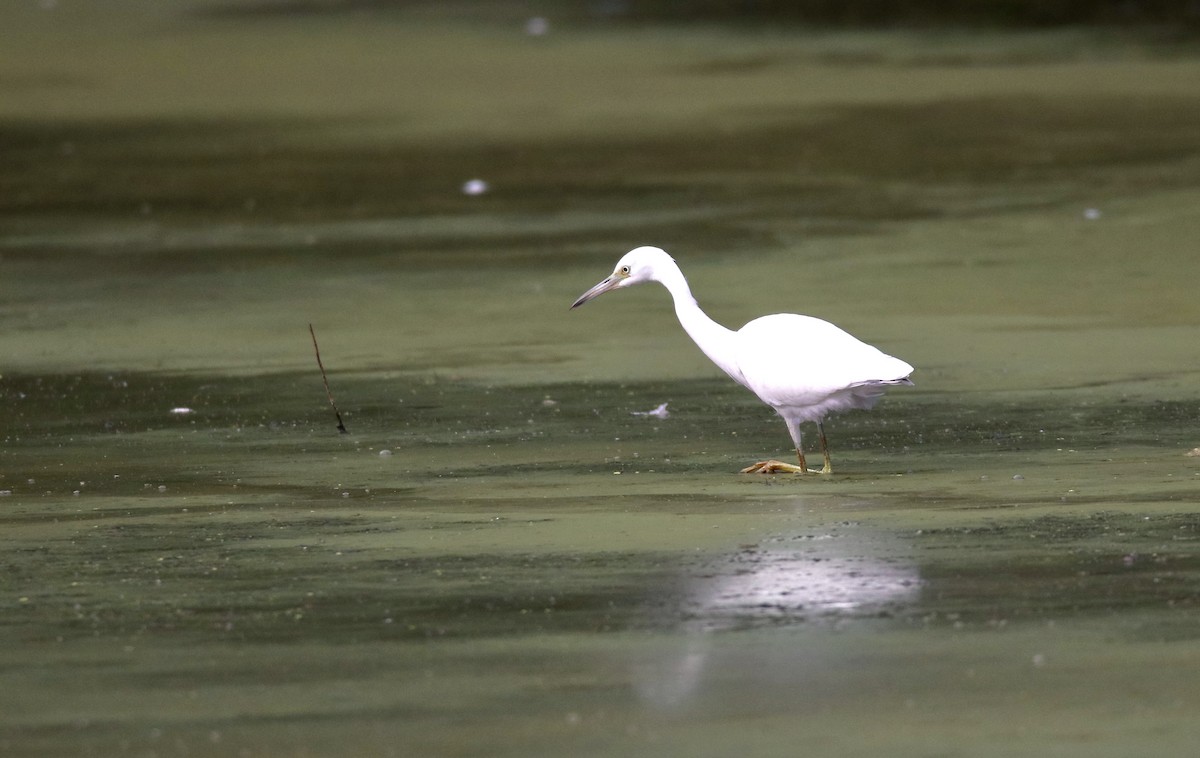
341	427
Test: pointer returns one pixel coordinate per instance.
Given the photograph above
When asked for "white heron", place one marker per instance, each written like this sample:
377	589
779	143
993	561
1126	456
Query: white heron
801	366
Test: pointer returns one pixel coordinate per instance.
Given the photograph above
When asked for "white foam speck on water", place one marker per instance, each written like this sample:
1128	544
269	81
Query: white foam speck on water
475	187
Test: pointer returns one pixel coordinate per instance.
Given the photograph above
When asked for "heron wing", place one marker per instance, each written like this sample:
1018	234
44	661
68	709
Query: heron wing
793	361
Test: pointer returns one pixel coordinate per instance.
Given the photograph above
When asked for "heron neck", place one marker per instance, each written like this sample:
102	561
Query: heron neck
716	341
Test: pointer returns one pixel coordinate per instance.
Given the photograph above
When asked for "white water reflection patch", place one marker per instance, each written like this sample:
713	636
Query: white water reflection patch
834	577
787	586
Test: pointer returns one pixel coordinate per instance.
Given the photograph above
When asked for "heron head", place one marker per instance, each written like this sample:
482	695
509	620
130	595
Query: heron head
641	264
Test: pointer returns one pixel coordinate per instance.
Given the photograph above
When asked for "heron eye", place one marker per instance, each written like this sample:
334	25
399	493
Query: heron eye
625	270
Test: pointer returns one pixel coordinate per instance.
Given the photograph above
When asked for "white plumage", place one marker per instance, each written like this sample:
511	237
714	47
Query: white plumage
801	366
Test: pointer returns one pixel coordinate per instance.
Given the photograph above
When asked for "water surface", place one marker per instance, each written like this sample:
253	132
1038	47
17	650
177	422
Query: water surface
500	558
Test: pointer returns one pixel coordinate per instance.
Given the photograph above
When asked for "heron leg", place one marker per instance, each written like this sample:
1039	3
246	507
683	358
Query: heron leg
800	455
828	468
777	467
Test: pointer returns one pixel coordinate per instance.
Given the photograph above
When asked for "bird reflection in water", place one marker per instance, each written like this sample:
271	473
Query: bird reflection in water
832	578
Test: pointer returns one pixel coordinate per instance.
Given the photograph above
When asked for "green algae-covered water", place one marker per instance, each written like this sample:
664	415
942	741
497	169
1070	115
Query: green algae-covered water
500	557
